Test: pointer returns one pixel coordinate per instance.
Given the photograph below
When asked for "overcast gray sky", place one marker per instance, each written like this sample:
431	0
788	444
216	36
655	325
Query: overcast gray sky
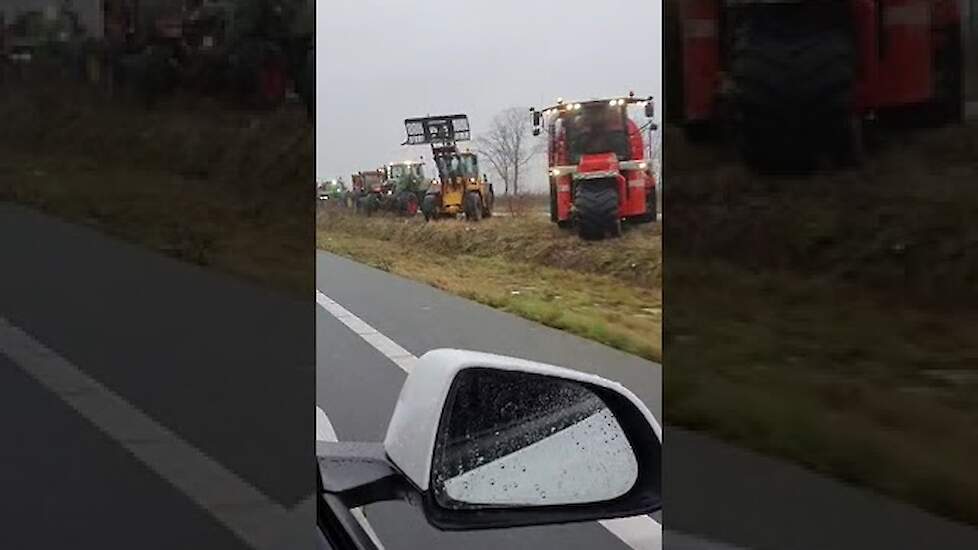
381	61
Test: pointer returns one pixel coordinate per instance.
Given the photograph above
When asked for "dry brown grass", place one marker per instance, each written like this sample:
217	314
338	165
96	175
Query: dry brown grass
193	179
829	319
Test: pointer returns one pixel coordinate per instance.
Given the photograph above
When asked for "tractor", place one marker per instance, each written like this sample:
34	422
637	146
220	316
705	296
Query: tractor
331	193
459	188
409	186
599	172
794	81
370	191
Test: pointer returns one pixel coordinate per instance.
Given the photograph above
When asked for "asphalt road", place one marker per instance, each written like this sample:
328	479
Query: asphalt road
352	374
140	397
716	496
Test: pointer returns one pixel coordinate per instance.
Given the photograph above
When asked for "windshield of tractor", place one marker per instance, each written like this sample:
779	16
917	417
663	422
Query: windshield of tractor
400	170
372	181
459	166
596	129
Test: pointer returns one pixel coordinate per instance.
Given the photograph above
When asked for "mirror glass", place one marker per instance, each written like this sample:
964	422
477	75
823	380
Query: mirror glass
514	439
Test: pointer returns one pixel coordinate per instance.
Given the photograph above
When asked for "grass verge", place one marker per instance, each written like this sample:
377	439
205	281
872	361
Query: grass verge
607	292
193	179
830	319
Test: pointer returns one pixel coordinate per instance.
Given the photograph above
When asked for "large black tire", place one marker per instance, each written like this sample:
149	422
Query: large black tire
490	201
407	203
369	204
597	210
794	80
429	207
473	207
553	202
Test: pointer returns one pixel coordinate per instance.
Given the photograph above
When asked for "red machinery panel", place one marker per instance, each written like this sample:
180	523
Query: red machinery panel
701	57
906	68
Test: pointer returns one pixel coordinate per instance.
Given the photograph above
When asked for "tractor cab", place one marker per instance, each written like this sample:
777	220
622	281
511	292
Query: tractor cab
407	169
600	170
373	181
458	167
370	190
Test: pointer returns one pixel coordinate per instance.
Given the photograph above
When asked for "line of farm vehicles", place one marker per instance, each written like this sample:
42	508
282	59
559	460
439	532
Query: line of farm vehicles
600	170
254	51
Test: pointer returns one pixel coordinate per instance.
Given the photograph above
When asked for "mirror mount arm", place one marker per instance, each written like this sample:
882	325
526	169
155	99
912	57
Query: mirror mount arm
358	474
339	526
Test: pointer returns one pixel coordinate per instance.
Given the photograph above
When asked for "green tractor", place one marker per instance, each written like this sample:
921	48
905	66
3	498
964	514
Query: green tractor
331	193
408	186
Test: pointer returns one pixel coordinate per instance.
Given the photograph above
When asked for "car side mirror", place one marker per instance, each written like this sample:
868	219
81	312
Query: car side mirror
493	441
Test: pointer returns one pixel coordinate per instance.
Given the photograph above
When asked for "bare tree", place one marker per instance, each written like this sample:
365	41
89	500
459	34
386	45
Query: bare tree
509	146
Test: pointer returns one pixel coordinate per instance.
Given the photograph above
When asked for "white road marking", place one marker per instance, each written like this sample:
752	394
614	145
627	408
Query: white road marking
324	428
325	432
638	532
232	501
400	356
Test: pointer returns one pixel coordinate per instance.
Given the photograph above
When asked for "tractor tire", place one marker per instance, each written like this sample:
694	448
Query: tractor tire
429	207
794	81
369	205
473	207
490	201
597	211
553	203
407	203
